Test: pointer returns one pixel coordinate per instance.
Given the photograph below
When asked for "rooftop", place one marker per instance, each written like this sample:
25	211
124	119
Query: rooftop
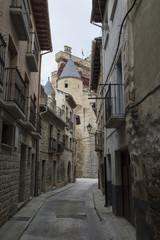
48	88
70	70
41	17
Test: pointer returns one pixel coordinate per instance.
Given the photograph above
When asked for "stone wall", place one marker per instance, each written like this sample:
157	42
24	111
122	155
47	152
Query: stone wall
18	151
142	114
13	189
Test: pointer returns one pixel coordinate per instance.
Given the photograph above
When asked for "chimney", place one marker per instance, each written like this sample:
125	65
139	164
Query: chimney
67	49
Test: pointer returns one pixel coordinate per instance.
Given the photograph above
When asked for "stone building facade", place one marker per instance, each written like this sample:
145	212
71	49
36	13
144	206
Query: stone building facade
96	79
56	149
73	77
21	42
130	31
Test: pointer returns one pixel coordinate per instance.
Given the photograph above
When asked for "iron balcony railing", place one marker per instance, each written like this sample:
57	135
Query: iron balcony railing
53	145
59	112
32	117
60	147
52	104
64	140
69	122
23	4
98	141
15	88
114	101
32	47
2	58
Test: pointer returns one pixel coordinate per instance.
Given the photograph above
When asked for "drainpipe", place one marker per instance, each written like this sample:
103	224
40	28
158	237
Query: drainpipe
75	161
46	107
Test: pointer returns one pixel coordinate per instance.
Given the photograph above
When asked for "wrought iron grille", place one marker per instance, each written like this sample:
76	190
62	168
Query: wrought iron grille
23	4
69	122
2	58
59	112
52	144
60	147
32	46
15	88
114	101
32	118
98	140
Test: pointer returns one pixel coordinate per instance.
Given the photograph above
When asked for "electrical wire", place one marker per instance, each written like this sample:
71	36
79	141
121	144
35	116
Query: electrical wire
119	39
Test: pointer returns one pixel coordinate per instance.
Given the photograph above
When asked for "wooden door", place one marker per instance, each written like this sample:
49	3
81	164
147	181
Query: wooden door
128	209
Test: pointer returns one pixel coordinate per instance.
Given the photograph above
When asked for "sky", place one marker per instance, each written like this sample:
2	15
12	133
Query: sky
70	25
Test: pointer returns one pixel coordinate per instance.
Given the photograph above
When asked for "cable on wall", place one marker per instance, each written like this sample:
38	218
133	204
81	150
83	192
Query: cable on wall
119	38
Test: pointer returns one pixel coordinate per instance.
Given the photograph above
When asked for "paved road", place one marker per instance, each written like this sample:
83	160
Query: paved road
69	215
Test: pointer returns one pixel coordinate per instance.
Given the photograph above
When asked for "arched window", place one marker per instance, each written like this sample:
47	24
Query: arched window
66	84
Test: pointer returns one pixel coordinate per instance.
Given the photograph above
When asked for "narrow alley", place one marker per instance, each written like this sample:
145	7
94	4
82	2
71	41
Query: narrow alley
75	211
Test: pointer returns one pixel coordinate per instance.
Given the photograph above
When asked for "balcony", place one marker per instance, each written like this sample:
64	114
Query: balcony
2	61
55	146
32	53
60	147
14	94
52	104
37	133
52	145
114	105
69	123
29	123
20	14
59	112
98	142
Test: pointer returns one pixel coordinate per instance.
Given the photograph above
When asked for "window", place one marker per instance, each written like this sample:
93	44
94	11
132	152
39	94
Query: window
50	135
70	116
66	85
2	58
66	141
114	4
66	112
70	143
58	135
7	133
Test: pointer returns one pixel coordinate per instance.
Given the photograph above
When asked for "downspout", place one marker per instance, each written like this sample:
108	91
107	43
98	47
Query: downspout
75	161
96	24
46	107
38	140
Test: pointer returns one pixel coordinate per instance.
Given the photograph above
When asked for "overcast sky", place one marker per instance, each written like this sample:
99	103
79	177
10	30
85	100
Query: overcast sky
70	25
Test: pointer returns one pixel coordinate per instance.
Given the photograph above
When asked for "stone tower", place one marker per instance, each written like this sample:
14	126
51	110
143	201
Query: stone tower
73	77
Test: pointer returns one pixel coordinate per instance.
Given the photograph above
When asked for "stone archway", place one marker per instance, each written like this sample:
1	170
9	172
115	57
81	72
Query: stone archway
69	172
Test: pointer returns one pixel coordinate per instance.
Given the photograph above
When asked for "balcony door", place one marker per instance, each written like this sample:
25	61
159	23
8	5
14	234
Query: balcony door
119	90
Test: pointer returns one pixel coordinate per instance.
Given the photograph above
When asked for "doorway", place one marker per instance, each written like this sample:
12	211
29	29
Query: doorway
54	183
43	175
32	183
128	208
69	172
21	196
